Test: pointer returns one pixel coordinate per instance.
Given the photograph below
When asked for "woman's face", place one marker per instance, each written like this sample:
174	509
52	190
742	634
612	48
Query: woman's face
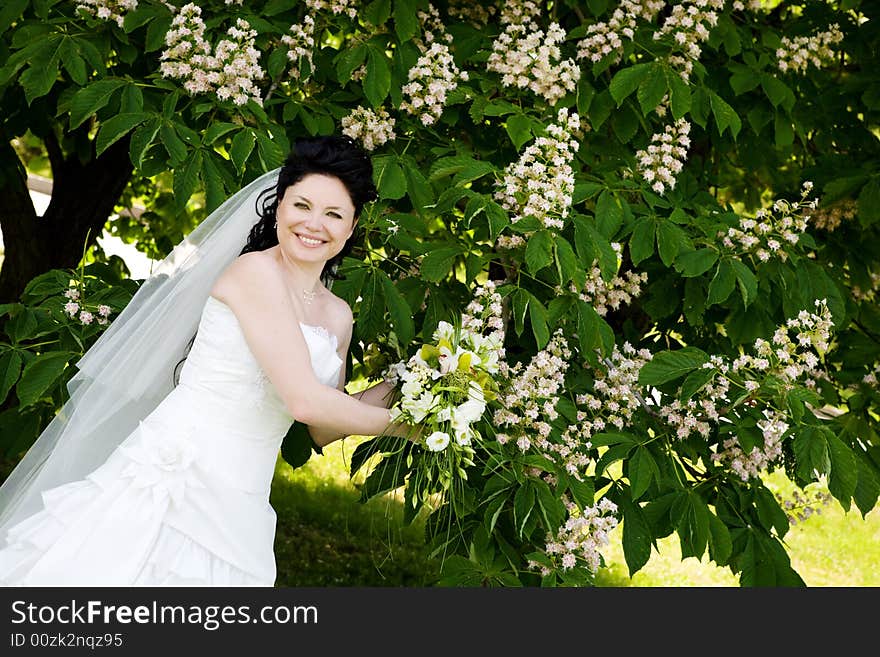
315	218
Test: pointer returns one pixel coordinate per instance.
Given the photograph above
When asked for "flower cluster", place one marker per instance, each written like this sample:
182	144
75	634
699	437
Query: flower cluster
476	14
797	54
529	396
526	58
579	539
229	71
693	415
871	377
800	507
516	12
689	24
370	128
602	294
767	233
829	218
108	10
541	183
749	465
347	7
604	39
301	44
796	349
616	391
867	295
86	313
485	313
664	158
435	74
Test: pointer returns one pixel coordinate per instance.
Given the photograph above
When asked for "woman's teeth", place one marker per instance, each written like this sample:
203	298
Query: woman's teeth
309	241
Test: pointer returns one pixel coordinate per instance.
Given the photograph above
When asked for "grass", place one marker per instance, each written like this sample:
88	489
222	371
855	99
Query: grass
326	537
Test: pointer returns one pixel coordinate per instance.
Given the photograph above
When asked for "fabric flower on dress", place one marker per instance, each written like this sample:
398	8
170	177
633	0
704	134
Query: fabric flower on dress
162	461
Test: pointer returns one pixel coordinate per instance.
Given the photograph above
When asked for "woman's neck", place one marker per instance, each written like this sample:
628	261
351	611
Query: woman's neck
302	277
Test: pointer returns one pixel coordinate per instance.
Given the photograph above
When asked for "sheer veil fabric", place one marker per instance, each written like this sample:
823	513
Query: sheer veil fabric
129	370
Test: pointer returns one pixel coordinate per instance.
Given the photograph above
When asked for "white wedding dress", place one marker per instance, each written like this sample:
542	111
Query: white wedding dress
184	500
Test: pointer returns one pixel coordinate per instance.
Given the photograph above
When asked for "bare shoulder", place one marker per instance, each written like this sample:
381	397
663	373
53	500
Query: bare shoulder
244	275
342	317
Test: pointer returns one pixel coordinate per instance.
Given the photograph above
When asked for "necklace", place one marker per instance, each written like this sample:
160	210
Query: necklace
309	296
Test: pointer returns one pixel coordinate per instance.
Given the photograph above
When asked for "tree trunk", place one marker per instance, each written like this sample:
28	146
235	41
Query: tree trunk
83	196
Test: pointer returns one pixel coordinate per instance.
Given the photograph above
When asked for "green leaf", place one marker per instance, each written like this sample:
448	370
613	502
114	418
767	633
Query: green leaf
641	242
868	487
588	328
438	263
186	178
777	91
784	130
11	10
642	470
296	448
539	251
869	202
348	60
418	188
217	130
668	366
523	504
272	147
378	12
10	369
671	240
377	82
627	80
389	178
398	308
679	95
811	454
519	128
371	318
720	545
406	22
690	515
538	320
242	146
695	381
141	140
652	88
115	128
173	144
748	283
725	116
770	513
552	511
695	263
722	283
637	537
215	189
609	214
39	375
844	471
90	99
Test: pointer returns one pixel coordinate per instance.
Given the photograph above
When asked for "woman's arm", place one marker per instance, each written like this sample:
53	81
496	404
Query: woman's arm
380	395
254	290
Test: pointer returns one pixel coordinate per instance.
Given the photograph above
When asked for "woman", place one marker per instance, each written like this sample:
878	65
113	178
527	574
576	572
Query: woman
183	497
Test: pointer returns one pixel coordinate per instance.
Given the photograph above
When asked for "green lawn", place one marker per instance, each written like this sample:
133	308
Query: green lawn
326	537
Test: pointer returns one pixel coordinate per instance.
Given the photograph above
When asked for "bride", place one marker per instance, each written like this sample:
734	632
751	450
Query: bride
138	482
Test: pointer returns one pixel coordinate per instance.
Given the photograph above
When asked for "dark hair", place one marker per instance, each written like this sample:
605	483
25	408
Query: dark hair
336	156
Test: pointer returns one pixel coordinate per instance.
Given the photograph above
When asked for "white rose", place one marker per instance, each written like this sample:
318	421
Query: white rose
444	331
419	408
437	441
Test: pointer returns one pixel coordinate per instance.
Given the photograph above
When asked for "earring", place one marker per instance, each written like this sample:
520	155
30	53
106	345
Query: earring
275	225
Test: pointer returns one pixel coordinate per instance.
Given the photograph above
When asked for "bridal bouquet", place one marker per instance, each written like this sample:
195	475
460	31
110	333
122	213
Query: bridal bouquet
444	387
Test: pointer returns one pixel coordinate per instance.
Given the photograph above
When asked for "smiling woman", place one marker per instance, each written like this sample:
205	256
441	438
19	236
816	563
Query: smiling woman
172	487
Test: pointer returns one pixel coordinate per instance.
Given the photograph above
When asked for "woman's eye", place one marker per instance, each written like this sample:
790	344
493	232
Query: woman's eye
301	205
335	216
